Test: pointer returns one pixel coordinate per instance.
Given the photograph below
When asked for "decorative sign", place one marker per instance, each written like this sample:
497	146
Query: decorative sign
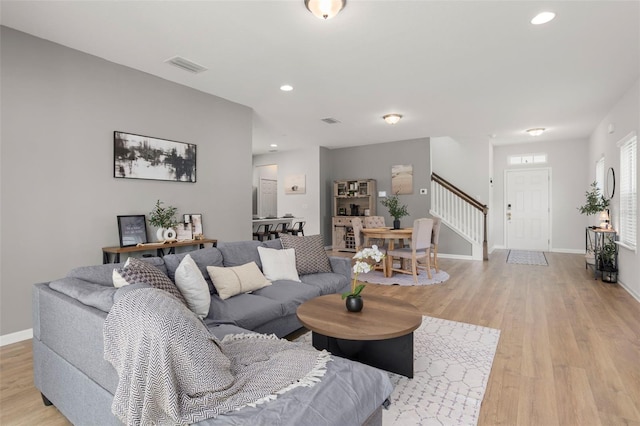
132	230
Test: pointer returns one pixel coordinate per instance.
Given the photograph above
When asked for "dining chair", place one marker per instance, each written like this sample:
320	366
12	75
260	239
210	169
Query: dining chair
280	228
356	225
297	228
435	236
375	222
420	249
262	232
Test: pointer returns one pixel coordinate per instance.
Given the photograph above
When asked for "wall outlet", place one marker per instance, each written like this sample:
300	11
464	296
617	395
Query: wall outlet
423	191
382	193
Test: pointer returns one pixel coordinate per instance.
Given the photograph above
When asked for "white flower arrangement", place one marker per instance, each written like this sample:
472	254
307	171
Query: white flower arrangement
364	260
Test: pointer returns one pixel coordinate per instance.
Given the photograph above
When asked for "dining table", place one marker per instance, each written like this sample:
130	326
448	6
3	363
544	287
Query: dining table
390	235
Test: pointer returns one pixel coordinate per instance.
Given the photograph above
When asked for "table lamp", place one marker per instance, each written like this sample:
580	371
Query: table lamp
604	219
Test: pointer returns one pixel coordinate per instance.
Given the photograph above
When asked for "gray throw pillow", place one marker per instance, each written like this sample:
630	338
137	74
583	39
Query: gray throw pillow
137	271
311	257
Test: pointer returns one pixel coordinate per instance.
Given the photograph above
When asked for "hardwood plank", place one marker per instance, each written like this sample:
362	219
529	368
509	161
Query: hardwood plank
569	349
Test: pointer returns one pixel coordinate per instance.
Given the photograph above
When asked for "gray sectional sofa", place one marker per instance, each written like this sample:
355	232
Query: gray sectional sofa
71	373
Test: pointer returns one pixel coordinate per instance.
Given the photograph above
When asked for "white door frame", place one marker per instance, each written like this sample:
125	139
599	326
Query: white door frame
504	204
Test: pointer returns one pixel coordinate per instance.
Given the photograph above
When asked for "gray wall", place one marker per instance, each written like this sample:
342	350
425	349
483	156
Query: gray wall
59	199
375	161
568	163
625	118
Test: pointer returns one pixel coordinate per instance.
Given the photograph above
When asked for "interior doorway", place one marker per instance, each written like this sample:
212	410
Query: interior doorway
268	198
527	209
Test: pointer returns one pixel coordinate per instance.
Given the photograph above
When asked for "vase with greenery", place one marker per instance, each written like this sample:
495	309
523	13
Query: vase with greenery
396	210
164	219
365	258
595	201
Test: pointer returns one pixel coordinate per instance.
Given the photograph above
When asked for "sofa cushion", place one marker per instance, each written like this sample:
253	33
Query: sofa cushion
234	280
209	256
290	294
240	253
103	274
137	271
246	310
311	257
193	287
327	283
90	294
278	264
274	244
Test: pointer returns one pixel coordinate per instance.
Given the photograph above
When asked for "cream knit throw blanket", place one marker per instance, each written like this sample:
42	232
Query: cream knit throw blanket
172	371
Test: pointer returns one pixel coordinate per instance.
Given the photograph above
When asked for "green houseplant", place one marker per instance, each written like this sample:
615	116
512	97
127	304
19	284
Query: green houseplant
595	202
396	210
164	219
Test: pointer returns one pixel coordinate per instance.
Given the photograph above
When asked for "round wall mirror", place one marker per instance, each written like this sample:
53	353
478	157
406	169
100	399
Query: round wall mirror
610	185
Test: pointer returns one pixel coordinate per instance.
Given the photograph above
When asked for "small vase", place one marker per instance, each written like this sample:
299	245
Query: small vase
396	224
354	303
160	234
169	234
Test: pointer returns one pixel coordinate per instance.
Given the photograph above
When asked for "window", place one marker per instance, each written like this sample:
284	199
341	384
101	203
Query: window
600	174
628	190
527	159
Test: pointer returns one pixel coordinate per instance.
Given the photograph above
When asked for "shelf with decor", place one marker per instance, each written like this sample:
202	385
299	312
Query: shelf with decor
351	198
601	253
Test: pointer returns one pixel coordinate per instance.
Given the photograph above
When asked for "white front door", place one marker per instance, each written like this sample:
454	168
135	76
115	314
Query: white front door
527	209
268	198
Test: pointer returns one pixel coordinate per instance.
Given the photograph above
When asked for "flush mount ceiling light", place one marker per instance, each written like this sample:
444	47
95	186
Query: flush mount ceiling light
543	18
392	118
536	132
286	87
325	9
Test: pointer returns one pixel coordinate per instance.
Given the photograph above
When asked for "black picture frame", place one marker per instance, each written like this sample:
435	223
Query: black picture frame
195	219
132	230
150	158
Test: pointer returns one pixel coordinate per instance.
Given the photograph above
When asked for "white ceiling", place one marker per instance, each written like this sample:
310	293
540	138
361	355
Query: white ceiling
465	69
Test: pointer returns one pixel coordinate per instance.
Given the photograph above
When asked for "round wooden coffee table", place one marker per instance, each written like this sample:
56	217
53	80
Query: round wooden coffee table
380	335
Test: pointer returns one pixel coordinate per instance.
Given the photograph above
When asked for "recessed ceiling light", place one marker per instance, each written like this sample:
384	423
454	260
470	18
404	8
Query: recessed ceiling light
274	145
286	88
536	132
543	18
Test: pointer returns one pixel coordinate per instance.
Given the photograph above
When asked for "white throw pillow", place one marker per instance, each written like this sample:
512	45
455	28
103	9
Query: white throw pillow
230	281
278	264
193	287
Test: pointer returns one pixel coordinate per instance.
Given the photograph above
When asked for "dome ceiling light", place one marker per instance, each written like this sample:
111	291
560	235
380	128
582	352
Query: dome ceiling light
392	118
536	132
325	9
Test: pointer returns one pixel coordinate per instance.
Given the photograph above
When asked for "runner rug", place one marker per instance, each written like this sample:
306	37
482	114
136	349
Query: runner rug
377	277
525	257
452	362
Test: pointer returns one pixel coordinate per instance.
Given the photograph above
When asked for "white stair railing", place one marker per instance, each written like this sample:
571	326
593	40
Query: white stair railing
460	212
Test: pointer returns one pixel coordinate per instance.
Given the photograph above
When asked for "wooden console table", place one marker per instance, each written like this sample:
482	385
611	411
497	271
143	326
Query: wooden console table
159	247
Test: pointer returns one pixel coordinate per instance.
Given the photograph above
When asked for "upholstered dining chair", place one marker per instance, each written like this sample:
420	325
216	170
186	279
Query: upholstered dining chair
420	249
356	225
262	232
435	236
375	222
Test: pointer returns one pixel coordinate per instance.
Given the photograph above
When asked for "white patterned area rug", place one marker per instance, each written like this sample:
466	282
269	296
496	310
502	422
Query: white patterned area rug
452	362
377	277
525	257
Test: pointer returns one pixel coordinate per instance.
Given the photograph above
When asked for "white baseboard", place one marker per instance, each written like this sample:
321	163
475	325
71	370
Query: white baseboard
16	337
629	290
455	256
570	251
494	248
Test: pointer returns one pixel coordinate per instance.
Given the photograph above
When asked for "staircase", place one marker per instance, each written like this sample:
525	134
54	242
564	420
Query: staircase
462	213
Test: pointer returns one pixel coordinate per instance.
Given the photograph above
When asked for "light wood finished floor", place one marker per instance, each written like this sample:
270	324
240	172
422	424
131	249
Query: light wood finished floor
569	350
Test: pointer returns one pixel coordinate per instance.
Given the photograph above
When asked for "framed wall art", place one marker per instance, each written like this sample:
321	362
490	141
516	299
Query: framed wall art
195	219
132	230
402	179
144	157
295	184
184	231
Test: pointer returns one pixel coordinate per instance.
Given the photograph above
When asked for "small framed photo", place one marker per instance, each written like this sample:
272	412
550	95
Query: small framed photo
184	232
195	219
132	230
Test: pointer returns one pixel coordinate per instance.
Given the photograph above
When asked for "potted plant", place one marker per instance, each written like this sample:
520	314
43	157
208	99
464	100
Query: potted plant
364	259
396	210
164	219
595	201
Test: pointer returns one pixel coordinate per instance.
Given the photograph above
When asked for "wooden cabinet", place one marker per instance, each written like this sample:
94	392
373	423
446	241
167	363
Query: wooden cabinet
351	198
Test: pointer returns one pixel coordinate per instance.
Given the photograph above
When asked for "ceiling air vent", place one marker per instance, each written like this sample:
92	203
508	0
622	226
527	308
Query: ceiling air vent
330	120
186	64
